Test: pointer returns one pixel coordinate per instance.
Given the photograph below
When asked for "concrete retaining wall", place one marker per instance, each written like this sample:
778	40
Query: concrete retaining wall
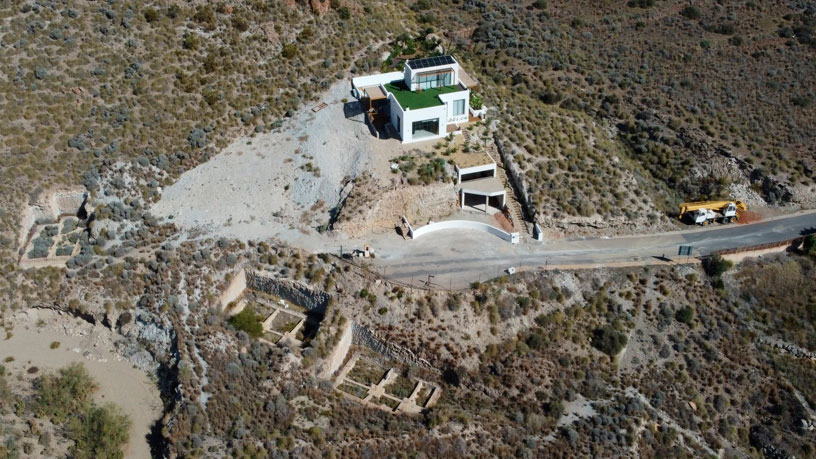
466	225
338	355
289	290
234	290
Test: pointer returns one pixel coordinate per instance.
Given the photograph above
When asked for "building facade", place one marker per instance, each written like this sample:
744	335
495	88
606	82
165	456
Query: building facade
427	100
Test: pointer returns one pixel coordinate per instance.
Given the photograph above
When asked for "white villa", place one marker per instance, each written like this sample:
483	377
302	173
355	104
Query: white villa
429	99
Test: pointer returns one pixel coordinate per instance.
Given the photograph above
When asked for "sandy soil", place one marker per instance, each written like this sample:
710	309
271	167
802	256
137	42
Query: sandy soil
119	382
282	184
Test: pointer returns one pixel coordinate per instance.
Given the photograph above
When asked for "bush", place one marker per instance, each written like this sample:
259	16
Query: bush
248	321
640	3
191	41
685	315
475	101
151	15
716	265
691	12
802	101
344	12
608	340
809	246
62	396
100	432
289	50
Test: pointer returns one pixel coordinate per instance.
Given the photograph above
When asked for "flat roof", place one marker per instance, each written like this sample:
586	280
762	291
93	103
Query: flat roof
374	92
416	100
488	186
426	62
474	158
466	79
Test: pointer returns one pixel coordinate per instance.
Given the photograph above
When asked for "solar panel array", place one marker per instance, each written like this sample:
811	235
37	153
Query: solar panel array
430	62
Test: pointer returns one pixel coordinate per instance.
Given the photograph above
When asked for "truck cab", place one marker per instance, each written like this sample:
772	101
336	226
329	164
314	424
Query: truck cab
703	216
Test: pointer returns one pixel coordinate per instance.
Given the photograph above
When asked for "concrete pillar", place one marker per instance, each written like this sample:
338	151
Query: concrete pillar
462	205
504	199
487	203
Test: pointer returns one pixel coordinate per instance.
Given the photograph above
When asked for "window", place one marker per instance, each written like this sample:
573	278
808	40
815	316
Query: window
459	107
433	80
426	128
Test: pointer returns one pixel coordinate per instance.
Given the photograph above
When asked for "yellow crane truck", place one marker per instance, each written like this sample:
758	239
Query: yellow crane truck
705	212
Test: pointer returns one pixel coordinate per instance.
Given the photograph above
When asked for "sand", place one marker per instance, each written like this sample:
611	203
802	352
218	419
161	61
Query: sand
119	382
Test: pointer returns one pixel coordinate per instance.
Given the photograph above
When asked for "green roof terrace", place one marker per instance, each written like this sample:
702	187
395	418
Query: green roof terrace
415	100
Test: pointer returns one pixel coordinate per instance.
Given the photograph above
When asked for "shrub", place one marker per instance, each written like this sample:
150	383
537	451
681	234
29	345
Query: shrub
289	50
191	41
691	12
151	15
65	394
205	15
99	432
54	345
248	321
809	246
716	265
802	101
475	101
685	315
344	12
608	340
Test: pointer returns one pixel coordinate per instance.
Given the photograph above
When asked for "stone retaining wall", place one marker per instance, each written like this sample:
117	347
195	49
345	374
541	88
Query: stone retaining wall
292	291
362	336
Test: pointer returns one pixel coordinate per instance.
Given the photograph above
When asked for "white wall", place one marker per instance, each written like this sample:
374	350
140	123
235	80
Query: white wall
409	116
474	169
467	225
448	100
396	114
410	73
372	80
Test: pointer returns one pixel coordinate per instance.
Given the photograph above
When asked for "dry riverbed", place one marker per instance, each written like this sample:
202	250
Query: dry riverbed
92	345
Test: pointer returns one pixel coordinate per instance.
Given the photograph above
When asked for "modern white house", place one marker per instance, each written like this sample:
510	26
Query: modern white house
429	99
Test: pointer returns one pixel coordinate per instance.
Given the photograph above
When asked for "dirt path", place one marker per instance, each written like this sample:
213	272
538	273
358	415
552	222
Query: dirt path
119	382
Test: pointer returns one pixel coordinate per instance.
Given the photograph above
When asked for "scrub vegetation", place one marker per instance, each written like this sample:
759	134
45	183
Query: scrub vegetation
609	113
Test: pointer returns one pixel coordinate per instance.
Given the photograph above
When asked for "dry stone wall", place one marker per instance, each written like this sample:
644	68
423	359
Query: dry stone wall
290	290
49	208
362	336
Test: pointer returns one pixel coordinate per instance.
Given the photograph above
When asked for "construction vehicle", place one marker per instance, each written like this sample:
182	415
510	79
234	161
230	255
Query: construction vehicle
705	212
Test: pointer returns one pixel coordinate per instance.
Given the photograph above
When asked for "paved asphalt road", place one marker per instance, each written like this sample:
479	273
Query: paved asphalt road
457	258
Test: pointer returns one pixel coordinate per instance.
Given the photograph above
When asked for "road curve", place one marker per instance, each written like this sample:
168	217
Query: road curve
456	258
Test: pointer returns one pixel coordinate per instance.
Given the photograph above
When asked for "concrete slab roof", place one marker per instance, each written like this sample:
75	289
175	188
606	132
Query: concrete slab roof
488	186
470	159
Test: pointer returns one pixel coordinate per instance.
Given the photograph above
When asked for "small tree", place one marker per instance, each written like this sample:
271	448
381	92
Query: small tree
248	321
691	12
809	245
716	265
608	340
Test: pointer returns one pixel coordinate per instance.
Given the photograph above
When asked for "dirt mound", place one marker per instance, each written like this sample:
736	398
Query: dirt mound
370	209
748	217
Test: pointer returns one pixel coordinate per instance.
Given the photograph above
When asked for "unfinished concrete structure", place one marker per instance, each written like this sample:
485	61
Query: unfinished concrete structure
478	184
